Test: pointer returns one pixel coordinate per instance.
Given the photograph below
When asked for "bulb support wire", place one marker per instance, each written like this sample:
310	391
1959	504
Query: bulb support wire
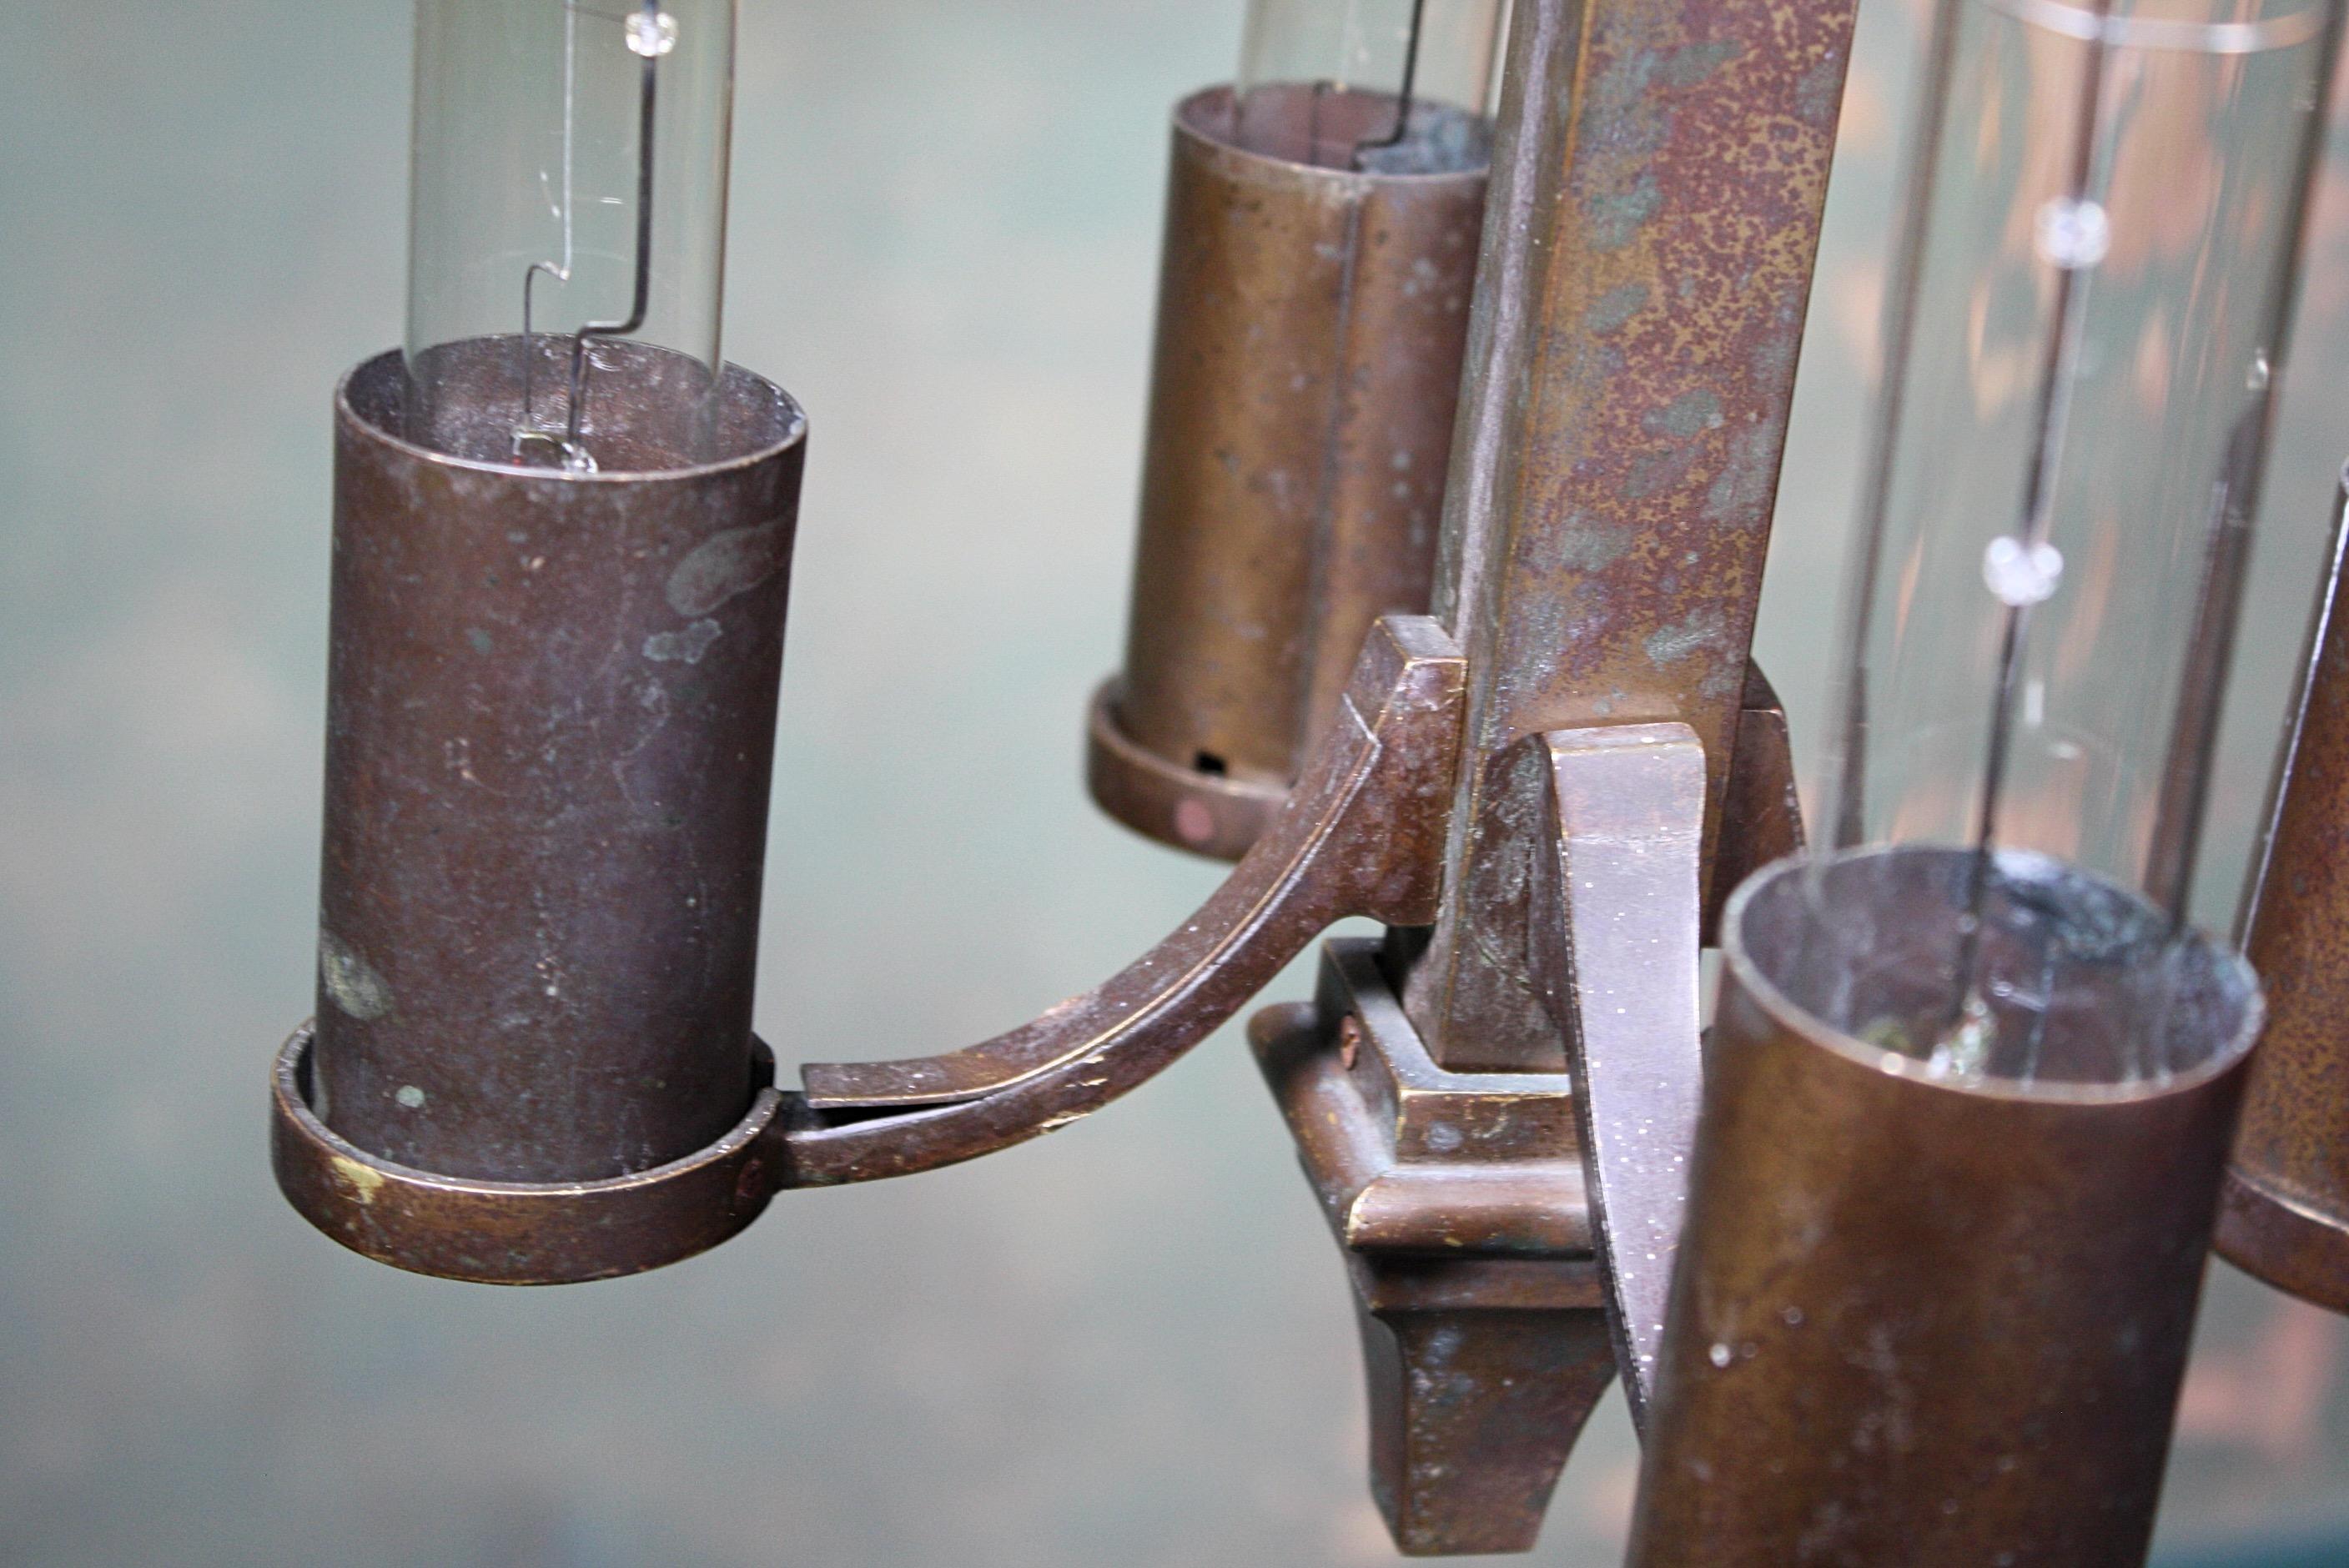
647	98
1405	94
2058	373
1403	91
648	27
559	271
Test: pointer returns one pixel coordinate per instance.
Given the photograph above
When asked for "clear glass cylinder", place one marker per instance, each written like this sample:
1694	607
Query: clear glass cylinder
1398	86
2087	309
2088	304
567	230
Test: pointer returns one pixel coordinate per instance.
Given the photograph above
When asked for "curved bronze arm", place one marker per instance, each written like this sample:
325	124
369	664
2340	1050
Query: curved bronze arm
1362	833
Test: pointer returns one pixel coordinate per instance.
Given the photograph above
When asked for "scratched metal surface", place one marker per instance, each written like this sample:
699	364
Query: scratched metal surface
1129	1342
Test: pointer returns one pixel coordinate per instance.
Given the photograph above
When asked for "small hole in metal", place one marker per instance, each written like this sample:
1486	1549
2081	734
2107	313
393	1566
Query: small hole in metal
1207	762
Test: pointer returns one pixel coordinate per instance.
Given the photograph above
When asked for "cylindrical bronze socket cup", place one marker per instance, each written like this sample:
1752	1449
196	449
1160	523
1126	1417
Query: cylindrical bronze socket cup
2285	1213
1940	1320
1310	328
550	717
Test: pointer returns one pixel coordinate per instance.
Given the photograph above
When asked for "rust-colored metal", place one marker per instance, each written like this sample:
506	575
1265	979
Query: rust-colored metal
1617	895
1307	364
1657	184
517	1233
2285	1214
1481	1373
1360	835
551	708
1213	815
550	719
1761	812
1409	1158
1493	1304
1940	1320
1459	1206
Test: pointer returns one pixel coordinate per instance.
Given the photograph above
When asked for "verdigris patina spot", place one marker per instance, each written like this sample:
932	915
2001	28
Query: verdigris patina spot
725	564
1670	645
682	648
351	982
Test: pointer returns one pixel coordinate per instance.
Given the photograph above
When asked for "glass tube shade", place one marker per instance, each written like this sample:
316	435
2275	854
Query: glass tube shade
2072	425
1329	82
535	205
2086	310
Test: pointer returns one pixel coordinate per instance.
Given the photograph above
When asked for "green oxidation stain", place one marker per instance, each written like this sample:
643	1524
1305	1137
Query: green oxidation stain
1579	547
1617	98
1741	493
1724	680
1690	414
1688	67
1670	645
1891	1034
351	982
1774	357
1616	216
1819	90
682	648
1616	306
1678	424
479	639
411	1096
725	564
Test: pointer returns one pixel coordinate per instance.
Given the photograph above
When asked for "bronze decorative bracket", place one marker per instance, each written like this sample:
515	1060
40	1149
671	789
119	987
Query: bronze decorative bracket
1491	1104
1616	937
1509	1237
1460	1207
1361	834
1617	897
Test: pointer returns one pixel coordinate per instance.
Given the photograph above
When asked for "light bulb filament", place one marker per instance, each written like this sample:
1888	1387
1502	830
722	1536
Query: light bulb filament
651	34
1403	91
560	272
2024	574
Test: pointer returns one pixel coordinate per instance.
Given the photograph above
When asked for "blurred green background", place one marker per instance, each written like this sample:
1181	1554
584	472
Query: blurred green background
1127	1343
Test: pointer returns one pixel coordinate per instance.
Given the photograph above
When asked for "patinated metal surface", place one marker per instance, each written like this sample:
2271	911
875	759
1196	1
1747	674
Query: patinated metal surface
1406	1157
1939	1320
1656	184
1481	1373
1307	368
1467	1244
1216	816
1360	835
1762	813
1617	900
551	710
516	1233
2285	1216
